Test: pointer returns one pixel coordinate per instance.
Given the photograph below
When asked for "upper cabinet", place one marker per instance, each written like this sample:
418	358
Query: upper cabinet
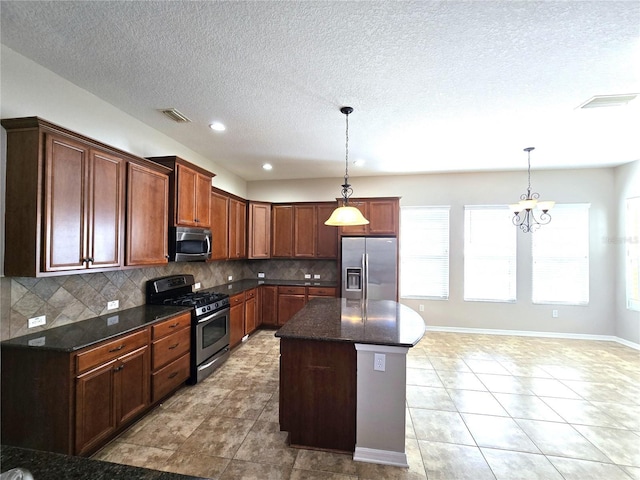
219	215
282	231
237	228
65	201
189	191
259	230
383	215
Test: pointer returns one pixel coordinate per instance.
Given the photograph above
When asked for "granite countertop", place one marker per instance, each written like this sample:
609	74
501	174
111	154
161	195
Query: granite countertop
56	466
378	322
75	336
247	284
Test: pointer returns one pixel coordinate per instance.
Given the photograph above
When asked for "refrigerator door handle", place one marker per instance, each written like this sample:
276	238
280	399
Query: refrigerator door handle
365	264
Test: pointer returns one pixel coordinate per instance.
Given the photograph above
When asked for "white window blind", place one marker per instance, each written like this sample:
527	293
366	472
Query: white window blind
560	254
489	254
632	241
424	252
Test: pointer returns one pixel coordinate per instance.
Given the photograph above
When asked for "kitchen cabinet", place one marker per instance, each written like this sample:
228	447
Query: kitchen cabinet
147	216
282	231
237	228
299	232
259	230
314	292
65	201
236	319
269	305
304	231
219	225
383	215
189	191
326	236
250	311
170	351
112	388
290	301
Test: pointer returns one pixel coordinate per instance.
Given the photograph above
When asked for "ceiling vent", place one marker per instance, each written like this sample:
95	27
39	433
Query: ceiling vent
175	115
608	100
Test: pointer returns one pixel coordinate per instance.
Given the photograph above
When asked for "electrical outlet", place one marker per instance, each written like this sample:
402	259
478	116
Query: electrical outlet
554	313
197	286
230	278
37	321
422	308
316	277
113	304
379	360
307	275
260	274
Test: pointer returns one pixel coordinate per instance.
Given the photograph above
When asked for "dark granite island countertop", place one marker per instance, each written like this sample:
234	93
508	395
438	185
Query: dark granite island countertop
377	322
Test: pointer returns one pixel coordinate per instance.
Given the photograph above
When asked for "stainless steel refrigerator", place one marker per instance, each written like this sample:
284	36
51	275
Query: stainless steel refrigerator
369	268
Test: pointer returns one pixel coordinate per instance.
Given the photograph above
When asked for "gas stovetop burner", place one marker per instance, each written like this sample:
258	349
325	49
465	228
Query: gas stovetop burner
177	290
195	299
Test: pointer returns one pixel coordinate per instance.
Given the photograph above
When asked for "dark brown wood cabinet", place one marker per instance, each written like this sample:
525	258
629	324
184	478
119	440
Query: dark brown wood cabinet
290	301
250	311
170	350
383	215
237	228
304	231
219	214
282	231
298	231
259	230
327	236
189	191
269	305
236	319
147	216
314	292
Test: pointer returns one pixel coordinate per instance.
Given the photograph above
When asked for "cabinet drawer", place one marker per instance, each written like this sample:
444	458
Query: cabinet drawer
111	350
170	326
322	291
169	378
171	347
250	293
292	290
237	299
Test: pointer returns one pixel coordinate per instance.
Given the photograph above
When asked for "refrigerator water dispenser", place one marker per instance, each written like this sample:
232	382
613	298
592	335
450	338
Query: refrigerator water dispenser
353	279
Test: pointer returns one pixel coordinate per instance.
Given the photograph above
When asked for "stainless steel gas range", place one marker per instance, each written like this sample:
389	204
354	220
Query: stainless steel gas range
209	324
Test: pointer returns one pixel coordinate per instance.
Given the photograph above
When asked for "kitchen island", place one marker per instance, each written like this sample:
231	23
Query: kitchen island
343	377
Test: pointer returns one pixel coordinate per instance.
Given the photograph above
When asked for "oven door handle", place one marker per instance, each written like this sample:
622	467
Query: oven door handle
203	367
214	314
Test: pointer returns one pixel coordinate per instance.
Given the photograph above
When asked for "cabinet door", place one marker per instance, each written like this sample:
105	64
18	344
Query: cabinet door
250	312
269	305
288	306
147	216
236	322
304	231
106	219
203	200
282	231
237	229
95	407
383	217
186	180
219	225
357	229
65	216
259	230
327	236
132	382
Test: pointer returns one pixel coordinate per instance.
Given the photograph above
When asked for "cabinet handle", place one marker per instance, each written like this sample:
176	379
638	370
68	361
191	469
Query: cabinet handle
117	369
173	374
117	348
174	325
173	346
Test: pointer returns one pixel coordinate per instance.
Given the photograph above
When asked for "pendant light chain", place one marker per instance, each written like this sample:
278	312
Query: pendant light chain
346	149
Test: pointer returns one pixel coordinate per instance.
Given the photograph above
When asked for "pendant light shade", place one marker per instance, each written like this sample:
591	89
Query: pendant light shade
346	215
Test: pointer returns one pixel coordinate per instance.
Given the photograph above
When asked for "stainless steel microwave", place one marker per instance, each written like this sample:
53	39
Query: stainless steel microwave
188	244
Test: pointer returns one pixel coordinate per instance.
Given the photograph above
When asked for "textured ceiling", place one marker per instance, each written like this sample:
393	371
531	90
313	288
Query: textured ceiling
436	85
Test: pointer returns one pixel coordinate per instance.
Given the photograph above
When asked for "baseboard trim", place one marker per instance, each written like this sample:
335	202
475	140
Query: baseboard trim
382	457
528	333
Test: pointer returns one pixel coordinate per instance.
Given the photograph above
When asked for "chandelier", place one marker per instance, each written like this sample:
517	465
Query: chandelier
346	215
524	211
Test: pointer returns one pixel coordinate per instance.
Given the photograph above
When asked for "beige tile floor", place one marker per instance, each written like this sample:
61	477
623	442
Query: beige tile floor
478	407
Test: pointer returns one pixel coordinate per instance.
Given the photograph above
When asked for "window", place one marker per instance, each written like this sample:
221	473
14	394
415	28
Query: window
632	240
560	254
489	254
424	252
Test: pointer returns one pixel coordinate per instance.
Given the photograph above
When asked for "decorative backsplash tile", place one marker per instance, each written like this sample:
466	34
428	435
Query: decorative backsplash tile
72	298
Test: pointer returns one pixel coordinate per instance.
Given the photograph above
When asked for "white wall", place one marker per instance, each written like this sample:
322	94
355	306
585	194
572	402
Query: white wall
594	186
627	185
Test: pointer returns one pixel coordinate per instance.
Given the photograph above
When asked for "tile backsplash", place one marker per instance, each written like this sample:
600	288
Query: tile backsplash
72	298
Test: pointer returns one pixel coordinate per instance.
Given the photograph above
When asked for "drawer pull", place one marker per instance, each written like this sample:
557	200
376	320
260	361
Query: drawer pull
174	325
117	369
173	374
173	346
117	348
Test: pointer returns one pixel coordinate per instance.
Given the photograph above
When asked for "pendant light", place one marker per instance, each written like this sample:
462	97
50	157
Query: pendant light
346	215
524	211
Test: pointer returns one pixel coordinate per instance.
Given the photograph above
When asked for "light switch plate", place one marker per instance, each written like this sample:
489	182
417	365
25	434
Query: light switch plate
307	275
113	304
37	321
316	277
230	278
260	274
197	286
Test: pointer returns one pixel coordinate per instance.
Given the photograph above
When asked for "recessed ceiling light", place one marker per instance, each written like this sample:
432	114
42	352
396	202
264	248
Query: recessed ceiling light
217	126
359	162
608	100
267	166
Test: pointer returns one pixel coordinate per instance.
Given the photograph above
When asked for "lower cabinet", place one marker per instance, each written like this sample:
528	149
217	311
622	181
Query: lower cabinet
290	301
269	305
170	352
236	319
250	311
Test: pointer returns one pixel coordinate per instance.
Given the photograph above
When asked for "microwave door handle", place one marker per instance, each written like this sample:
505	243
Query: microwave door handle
208	238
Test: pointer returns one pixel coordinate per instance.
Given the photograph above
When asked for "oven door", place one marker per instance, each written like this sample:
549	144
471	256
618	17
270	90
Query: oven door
212	334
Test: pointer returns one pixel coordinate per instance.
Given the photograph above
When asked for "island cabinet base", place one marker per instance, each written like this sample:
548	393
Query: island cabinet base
318	393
